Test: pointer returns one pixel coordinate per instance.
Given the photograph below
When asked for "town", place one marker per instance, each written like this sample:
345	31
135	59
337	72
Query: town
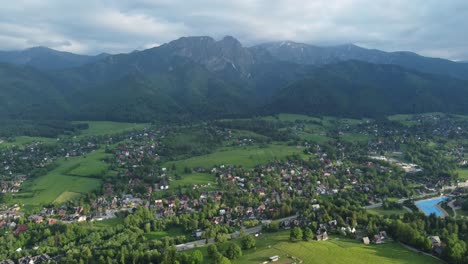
322	179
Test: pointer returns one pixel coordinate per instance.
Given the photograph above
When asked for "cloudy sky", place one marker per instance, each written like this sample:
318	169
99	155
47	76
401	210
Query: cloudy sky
430	27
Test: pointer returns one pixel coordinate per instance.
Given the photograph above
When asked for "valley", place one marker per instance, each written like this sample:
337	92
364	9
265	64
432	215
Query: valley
173	183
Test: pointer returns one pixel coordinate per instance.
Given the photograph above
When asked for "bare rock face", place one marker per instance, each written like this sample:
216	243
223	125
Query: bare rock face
225	54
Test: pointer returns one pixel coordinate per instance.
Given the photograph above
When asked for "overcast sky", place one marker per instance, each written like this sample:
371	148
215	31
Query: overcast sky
435	28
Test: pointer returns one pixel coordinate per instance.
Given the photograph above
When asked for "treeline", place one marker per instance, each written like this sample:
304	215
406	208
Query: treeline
38	128
437	167
276	130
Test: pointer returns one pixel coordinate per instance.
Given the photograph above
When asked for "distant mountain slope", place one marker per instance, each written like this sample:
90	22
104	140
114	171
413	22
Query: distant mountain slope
26	93
186	89
356	88
199	77
309	54
47	59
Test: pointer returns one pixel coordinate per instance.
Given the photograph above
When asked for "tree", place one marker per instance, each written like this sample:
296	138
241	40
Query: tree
222	260
212	250
233	251
196	257
307	234
426	244
6	198
248	242
295	234
147	227
455	249
221	238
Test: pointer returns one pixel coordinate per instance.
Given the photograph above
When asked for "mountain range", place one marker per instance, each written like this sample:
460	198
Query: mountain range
199	77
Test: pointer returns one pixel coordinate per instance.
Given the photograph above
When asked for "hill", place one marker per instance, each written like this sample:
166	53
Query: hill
356	88
201	78
43	58
26	93
309	54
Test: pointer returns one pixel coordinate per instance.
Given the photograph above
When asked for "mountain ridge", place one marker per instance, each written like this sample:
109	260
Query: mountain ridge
204	78
44	58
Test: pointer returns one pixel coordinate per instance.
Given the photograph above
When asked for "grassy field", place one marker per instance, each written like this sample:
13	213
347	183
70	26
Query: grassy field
109	222
247	157
106	127
355	137
71	178
23	140
158	235
406	120
90	166
194	178
66	196
463	174
334	251
379	211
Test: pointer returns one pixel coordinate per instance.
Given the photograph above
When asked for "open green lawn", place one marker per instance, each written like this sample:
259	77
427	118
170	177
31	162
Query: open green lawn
380	211
333	251
109	222
194	178
23	140
355	137
71	178
314	137
463	174
106	127
90	166
247	157
406	120
160	234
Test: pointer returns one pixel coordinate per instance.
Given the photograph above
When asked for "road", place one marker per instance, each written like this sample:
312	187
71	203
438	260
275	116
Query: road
421	252
451	204
248	231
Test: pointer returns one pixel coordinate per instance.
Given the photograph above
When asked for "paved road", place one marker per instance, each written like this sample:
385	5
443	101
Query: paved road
421	252
248	231
454	208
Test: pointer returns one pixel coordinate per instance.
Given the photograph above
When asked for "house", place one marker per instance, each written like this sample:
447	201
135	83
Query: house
52	221
20	229
198	233
333	223
36	219
43	258
383	234
366	240
435	241
322	237
274	258
378	240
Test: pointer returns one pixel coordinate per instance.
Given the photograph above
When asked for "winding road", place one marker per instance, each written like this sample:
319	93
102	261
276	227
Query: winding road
248	231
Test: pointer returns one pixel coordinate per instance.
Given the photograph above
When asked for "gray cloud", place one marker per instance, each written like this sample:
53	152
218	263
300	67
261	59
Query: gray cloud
429	27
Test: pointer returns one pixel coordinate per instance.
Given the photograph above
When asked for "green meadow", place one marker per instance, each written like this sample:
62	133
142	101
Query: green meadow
463	174
247	157
23	140
71	178
172	232
105	127
333	251
380	211
194	178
